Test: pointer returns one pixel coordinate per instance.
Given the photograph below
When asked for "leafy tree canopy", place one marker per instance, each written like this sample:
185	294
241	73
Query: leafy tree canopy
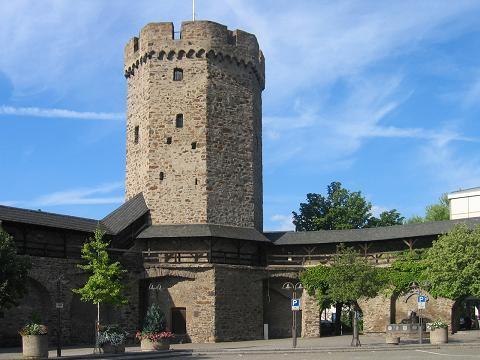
348	278
340	209
407	268
13	272
104	284
438	211
453	264
435	212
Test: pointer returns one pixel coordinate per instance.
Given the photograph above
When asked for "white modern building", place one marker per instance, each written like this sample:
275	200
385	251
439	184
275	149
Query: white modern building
465	204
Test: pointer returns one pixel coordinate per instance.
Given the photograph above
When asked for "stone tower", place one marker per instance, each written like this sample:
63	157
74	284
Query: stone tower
194	124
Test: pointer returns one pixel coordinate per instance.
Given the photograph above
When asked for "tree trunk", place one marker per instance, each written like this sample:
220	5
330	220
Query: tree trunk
355	337
338	317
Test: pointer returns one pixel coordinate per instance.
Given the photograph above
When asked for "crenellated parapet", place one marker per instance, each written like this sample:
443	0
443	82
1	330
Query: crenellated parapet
198	39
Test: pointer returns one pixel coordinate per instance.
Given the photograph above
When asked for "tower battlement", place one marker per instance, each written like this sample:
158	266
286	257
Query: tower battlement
197	39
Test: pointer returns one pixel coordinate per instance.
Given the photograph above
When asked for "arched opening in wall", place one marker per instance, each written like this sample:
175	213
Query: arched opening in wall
277	311
36	303
393	309
82	317
465	314
344	326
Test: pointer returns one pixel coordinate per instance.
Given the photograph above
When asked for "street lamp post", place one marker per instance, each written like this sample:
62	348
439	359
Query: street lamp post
293	288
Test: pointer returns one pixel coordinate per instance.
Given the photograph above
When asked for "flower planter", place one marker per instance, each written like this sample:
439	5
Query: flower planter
392	339
148	345
439	336
35	346
113	349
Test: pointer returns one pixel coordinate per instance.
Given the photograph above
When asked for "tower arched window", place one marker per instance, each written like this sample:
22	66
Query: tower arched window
161	176
179	121
177	74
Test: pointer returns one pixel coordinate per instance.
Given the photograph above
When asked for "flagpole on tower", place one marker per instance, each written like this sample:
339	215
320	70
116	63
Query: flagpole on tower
193	9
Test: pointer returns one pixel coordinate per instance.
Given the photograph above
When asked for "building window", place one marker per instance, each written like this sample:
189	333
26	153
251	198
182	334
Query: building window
196	181
162	176
177	74
194	145
169	140
136	134
179	121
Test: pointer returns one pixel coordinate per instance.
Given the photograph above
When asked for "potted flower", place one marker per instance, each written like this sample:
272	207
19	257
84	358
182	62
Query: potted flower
154	335
111	338
34	340
438	332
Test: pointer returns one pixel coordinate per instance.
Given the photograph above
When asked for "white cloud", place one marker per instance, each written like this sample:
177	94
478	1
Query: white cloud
79	196
59	113
447	167
377	210
324	132
317	43
284	222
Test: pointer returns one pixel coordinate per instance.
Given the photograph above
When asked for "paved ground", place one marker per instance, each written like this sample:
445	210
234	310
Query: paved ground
463	345
457	353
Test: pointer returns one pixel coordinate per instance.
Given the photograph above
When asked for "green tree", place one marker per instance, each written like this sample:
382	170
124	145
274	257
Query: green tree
408	267
13	273
453	264
348	278
104	283
386	218
415	219
340	209
439	211
434	212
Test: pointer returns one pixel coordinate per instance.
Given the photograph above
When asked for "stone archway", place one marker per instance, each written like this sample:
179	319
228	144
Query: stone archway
277	311
82	317
464	315
36	303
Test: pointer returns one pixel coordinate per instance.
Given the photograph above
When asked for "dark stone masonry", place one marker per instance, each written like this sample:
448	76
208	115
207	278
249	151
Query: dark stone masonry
190	233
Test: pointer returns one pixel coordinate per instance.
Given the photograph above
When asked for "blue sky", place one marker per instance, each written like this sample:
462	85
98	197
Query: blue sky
383	96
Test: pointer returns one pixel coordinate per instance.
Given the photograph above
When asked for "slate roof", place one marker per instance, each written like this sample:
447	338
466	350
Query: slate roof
126	214
41	218
432	228
112	224
202	230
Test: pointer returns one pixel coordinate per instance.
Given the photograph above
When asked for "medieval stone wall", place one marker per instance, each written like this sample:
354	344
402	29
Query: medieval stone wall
209	170
238	303
41	298
189	287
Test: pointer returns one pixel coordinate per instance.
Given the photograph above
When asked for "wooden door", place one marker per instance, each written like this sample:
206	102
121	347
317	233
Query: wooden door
179	321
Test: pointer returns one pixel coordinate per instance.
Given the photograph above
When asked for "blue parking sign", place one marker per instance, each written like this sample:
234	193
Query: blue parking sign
295	304
422	298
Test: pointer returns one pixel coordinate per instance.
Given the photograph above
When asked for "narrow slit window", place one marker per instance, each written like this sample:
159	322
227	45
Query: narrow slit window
136	135
177	74
179	121
162	176
194	145
169	140
196	181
